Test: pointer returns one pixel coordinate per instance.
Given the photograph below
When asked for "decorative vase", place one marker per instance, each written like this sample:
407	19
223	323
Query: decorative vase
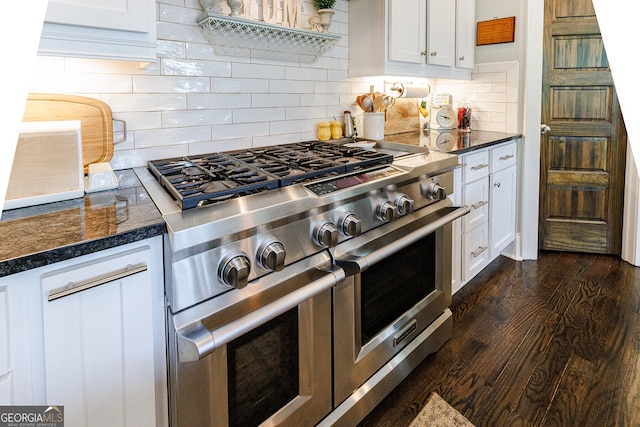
324	18
235	6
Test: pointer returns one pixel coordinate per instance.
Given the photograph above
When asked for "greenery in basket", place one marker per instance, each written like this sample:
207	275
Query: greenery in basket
324	4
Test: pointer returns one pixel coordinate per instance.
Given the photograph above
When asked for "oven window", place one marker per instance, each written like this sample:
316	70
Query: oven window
263	370
391	287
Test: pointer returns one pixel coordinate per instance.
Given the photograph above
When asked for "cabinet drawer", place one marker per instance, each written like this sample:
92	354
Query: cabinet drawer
476	166
476	196
475	251
503	156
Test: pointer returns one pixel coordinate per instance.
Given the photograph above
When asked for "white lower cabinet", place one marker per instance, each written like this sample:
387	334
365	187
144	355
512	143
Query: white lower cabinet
487	184
99	350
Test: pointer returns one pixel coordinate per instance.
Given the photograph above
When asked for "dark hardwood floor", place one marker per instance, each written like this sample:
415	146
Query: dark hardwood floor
552	342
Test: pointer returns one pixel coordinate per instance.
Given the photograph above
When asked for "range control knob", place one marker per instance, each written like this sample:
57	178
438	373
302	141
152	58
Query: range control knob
386	211
234	270
435	191
404	204
326	234
271	255
351	225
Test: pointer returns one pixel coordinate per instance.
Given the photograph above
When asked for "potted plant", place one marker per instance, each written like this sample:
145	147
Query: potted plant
324	13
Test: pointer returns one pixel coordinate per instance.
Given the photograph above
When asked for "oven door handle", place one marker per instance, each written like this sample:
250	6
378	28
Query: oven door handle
196	341
359	259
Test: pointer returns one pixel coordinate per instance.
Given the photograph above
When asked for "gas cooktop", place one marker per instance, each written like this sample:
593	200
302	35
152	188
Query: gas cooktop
209	178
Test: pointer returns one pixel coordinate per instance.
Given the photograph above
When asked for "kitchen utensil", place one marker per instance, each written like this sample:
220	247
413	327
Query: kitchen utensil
367	103
94	115
388	101
377	104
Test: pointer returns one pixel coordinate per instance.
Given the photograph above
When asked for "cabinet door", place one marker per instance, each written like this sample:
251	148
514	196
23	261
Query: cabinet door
503	209
475	195
475	251
105	29
465	33
98	344
127	15
441	22
19	322
407	30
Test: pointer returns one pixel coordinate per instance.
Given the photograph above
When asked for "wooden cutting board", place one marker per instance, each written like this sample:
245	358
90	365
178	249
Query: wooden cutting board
402	117
94	115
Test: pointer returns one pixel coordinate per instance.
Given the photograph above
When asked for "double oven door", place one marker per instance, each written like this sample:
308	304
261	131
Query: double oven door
260	355
398	284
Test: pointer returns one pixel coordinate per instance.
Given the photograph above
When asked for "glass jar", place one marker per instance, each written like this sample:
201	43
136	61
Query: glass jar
324	131
336	130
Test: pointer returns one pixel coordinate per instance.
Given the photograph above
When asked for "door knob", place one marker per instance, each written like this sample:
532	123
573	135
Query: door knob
544	129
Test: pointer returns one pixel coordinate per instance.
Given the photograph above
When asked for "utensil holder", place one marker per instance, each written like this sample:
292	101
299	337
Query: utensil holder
373	126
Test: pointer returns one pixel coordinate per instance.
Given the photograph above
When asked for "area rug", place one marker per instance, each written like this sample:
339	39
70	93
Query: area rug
438	413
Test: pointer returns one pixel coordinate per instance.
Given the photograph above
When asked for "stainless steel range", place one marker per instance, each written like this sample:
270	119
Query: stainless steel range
303	281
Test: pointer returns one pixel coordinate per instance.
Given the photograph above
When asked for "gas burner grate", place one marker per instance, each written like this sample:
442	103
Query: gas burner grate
198	180
209	178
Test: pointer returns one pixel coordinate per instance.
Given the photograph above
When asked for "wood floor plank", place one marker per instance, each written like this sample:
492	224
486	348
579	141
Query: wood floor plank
551	342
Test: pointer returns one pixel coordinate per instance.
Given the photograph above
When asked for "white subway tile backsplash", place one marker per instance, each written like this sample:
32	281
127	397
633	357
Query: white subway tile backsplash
295	113
241	130
177	14
257	71
306	73
172	136
215	100
80	83
196	117
141	120
145	102
188	67
170	49
275	100
198	98
291	126
252	115
291	86
170	84
237	85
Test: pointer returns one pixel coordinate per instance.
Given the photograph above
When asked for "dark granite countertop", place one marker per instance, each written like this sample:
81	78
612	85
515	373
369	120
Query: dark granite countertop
452	141
35	236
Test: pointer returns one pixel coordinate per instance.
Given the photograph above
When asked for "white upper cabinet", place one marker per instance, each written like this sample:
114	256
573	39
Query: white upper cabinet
407	30
104	29
441	32
414	38
465	33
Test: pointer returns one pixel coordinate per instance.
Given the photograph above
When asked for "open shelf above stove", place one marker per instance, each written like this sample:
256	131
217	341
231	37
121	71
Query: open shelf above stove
243	37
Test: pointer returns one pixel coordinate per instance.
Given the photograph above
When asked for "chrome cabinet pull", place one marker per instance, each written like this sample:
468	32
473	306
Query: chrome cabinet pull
507	157
479	204
478	251
73	287
481	166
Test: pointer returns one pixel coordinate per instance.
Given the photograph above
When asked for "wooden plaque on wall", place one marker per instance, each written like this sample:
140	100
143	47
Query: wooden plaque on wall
496	31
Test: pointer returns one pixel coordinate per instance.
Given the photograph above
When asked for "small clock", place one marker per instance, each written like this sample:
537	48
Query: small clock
446	118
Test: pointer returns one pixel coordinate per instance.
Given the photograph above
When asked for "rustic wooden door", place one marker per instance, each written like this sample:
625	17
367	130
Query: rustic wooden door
583	154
